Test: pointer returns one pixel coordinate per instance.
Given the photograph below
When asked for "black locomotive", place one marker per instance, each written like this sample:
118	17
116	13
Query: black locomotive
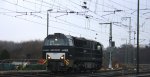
68	53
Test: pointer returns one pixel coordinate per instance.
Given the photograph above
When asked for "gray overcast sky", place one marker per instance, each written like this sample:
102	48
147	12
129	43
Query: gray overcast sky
23	20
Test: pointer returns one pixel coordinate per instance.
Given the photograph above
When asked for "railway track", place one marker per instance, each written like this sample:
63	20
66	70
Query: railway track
49	74
44	73
35	73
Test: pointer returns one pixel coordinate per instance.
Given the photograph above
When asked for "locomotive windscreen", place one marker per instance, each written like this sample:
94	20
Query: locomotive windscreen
56	40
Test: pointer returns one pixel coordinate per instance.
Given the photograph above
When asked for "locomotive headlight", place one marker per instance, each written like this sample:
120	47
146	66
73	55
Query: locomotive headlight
48	57
62	57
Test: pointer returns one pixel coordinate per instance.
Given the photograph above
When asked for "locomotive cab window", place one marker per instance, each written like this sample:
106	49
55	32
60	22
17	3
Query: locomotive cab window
56	42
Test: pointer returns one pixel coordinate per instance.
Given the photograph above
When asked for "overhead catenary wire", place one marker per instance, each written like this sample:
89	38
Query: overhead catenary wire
67	22
57	18
143	4
44	24
77	4
121	5
22	7
96	17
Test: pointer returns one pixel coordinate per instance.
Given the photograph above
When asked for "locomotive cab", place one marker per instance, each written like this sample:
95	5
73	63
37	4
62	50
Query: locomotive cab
55	50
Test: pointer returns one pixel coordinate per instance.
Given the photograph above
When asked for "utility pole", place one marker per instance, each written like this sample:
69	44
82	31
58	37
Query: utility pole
110	45
48	20
137	54
128	54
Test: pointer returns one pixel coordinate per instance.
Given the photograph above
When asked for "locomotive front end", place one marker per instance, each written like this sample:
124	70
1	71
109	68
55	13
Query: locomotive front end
55	50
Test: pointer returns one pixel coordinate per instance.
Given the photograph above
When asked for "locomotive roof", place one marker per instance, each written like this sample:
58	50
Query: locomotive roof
65	36
56	35
82	38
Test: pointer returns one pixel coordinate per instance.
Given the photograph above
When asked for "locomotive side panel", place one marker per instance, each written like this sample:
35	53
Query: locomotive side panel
88	53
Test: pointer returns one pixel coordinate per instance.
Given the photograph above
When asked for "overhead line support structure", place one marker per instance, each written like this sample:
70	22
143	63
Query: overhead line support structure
137	54
129	29
48	20
110	45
